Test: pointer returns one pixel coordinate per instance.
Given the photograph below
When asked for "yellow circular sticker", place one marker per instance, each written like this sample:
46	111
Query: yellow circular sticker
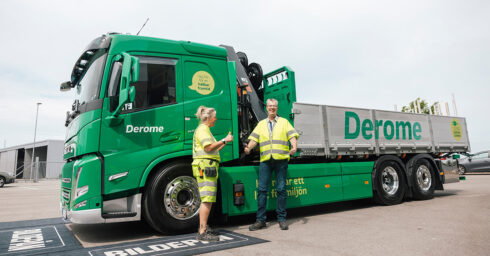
202	83
456	129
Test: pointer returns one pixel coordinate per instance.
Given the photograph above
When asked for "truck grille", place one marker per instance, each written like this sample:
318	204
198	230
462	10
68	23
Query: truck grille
65	193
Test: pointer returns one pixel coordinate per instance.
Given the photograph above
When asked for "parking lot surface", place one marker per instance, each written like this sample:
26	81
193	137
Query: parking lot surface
455	222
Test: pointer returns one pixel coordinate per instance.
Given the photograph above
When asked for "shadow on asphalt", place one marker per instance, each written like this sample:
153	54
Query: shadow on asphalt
131	231
299	215
113	232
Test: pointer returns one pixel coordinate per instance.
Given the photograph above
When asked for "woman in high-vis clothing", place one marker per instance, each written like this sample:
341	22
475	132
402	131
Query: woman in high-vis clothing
205	152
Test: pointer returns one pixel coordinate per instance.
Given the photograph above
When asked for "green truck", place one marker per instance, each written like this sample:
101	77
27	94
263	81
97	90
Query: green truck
128	147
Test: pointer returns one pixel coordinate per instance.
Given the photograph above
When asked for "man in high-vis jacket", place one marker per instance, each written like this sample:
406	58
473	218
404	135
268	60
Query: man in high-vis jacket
272	134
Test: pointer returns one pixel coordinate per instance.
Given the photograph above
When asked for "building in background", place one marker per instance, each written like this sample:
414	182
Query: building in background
17	159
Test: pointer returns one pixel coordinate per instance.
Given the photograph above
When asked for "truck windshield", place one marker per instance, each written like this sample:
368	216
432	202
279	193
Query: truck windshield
88	88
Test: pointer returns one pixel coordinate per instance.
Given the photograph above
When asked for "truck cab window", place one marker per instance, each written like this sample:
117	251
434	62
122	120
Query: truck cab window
114	83
156	83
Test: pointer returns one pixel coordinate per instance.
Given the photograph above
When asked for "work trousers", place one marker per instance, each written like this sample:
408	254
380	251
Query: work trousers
280	167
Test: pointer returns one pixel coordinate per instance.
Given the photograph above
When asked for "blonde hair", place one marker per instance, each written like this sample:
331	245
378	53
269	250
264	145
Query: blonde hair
204	113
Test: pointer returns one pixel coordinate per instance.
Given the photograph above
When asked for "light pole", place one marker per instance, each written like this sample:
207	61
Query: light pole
34	144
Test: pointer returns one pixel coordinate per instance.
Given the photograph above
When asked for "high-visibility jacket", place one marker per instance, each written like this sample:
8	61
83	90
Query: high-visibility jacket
275	145
202	166
203	138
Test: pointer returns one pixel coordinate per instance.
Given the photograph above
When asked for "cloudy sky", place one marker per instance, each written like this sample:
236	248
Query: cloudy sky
368	54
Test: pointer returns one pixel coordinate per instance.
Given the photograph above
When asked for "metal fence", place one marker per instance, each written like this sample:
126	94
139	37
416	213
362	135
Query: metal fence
39	170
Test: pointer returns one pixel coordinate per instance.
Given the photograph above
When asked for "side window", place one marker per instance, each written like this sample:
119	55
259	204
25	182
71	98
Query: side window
156	83
114	83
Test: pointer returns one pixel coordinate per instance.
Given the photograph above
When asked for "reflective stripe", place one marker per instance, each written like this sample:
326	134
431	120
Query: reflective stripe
291	132
265	143
274	151
285	143
279	142
204	153
255	135
206	140
207	184
208	193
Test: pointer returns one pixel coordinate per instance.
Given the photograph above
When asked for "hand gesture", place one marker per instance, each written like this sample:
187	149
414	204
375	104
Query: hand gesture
229	137
247	150
292	151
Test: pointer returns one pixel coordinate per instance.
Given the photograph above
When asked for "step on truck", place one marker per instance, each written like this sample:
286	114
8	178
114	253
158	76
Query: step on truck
128	146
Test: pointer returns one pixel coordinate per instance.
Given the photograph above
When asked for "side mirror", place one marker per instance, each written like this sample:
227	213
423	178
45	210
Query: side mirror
129	74
66	86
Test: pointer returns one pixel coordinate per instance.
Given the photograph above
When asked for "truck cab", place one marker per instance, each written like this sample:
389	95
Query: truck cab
135	103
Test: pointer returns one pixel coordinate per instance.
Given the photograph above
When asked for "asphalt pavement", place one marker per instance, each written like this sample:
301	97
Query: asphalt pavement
455	222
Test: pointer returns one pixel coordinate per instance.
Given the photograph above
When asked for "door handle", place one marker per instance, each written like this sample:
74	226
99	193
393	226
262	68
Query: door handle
173	136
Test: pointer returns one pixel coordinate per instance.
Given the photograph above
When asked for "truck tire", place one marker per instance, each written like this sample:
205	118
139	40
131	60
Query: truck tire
171	200
389	183
2	181
423	180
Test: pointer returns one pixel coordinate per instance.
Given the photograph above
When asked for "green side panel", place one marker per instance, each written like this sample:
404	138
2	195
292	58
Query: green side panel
86	131
280	85
90	176
307	184
356	180
185	153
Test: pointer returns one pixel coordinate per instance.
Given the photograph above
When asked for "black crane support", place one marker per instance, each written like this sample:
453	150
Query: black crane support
249	100
244	82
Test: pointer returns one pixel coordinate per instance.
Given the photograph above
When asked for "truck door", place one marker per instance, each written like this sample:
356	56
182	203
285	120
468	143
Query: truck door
206	83
149	127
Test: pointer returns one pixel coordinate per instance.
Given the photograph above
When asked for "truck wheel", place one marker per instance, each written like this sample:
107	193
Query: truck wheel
171	202
461	170
423	180
389	183
2	182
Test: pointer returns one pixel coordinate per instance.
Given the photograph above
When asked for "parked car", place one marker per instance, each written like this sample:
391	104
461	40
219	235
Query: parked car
477	162
6	178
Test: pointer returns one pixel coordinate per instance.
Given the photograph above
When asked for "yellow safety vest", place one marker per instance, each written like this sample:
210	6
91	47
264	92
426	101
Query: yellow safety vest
275	145
203	138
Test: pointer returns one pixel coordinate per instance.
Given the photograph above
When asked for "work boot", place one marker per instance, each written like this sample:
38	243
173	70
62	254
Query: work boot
283	225
257	225
212	231
207	237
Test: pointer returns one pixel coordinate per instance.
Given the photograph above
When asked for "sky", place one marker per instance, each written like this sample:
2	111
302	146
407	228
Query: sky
366	54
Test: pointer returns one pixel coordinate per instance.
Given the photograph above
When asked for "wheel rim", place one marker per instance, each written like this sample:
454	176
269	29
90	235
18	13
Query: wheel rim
182	199
461	170
2	182
390	180
424	178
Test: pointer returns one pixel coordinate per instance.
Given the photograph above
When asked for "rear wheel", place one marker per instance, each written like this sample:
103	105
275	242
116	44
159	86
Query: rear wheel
389	183
423	180
2	181
171	201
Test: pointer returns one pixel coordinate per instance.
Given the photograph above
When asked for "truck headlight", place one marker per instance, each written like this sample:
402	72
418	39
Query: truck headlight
81	204
81	191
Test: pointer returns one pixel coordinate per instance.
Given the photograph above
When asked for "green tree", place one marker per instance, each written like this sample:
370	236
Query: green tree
424	107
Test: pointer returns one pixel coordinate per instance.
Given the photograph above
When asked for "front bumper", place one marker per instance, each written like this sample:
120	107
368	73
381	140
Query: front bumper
94	216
